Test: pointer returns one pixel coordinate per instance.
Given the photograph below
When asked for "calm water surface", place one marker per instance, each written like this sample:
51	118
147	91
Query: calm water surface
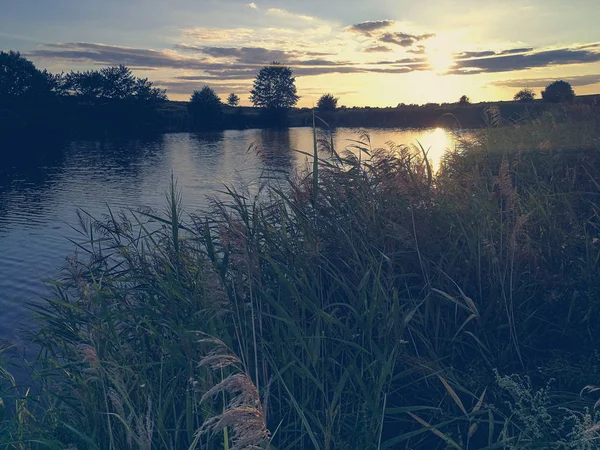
39	198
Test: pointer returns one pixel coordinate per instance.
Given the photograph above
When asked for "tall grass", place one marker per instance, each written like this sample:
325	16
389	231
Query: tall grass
365	304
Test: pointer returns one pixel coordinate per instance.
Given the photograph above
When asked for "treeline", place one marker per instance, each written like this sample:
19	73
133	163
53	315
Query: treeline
38	104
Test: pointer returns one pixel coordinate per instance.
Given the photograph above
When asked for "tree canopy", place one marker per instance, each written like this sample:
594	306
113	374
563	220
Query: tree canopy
464	100
327	102
20	78
558	91
114	83
524	95
233	100
274	88
205	108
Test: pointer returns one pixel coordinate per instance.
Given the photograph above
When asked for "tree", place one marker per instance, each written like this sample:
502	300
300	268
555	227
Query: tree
112	83
464	100
19	78
233	100
327	102
558	91
205	108
28	100
524	95
274	88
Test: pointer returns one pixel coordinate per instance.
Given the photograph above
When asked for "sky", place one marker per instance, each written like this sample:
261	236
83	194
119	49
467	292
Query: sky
366	52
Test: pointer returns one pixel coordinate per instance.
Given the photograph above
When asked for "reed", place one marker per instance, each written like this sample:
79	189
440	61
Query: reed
366	303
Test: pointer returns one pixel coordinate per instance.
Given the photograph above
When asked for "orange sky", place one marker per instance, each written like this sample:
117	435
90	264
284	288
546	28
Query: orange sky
376	54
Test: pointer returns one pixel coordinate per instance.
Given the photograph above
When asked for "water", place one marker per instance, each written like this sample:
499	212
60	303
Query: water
39	197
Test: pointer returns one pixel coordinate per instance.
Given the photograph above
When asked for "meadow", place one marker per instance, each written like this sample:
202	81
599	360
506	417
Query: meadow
366	303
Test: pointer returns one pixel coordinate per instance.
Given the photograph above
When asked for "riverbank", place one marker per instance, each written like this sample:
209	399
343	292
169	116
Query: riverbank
175	117
369	304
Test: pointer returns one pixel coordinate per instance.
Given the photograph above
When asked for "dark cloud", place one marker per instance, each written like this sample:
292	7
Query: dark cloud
404	61
588	46
579	80
512	51
486	53
367	28
510	62
378	49
404	39
114	55
258	55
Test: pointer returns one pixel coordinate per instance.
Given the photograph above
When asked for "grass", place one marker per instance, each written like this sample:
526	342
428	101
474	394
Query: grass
367	303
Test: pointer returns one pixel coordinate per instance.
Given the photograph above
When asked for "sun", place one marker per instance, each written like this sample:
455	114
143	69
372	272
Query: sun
440	60
439	54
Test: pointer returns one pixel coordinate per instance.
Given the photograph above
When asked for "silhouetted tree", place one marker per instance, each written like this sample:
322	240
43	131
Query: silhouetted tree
19	78
27	96
113	99
327	102
558	91
205	109
112	83
464	100
233	100
274	88
275	92
524	95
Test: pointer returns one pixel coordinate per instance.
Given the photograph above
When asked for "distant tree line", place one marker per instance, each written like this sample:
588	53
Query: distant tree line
113	100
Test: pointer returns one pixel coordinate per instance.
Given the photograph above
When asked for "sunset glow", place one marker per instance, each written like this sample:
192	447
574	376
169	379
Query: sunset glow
379	54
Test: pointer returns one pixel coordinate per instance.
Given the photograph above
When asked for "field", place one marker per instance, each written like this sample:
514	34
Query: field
367	303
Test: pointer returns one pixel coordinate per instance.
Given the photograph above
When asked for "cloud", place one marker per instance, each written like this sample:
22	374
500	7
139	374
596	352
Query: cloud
506	62
579	80
257	55
420	50
404	39
288	14
252	5
367	28
115	55
219	34
486	53
378	49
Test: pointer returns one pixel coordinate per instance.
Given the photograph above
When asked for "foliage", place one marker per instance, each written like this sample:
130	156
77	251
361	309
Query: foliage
274	88
524	95
205	108
464	100
233	100
558	91
366	302
327	102
28	99
112	83
20	79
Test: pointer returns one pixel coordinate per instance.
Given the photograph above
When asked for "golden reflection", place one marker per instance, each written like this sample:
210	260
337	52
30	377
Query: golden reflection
436	142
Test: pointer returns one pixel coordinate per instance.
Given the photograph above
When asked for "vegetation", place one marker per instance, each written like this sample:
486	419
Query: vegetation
275	92
109	99
27	95
274	88
366	303
525	95
233	100
464	100
558	91
205	109
327	102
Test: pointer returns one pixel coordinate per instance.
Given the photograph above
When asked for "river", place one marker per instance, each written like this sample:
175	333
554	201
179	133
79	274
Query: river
39	197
